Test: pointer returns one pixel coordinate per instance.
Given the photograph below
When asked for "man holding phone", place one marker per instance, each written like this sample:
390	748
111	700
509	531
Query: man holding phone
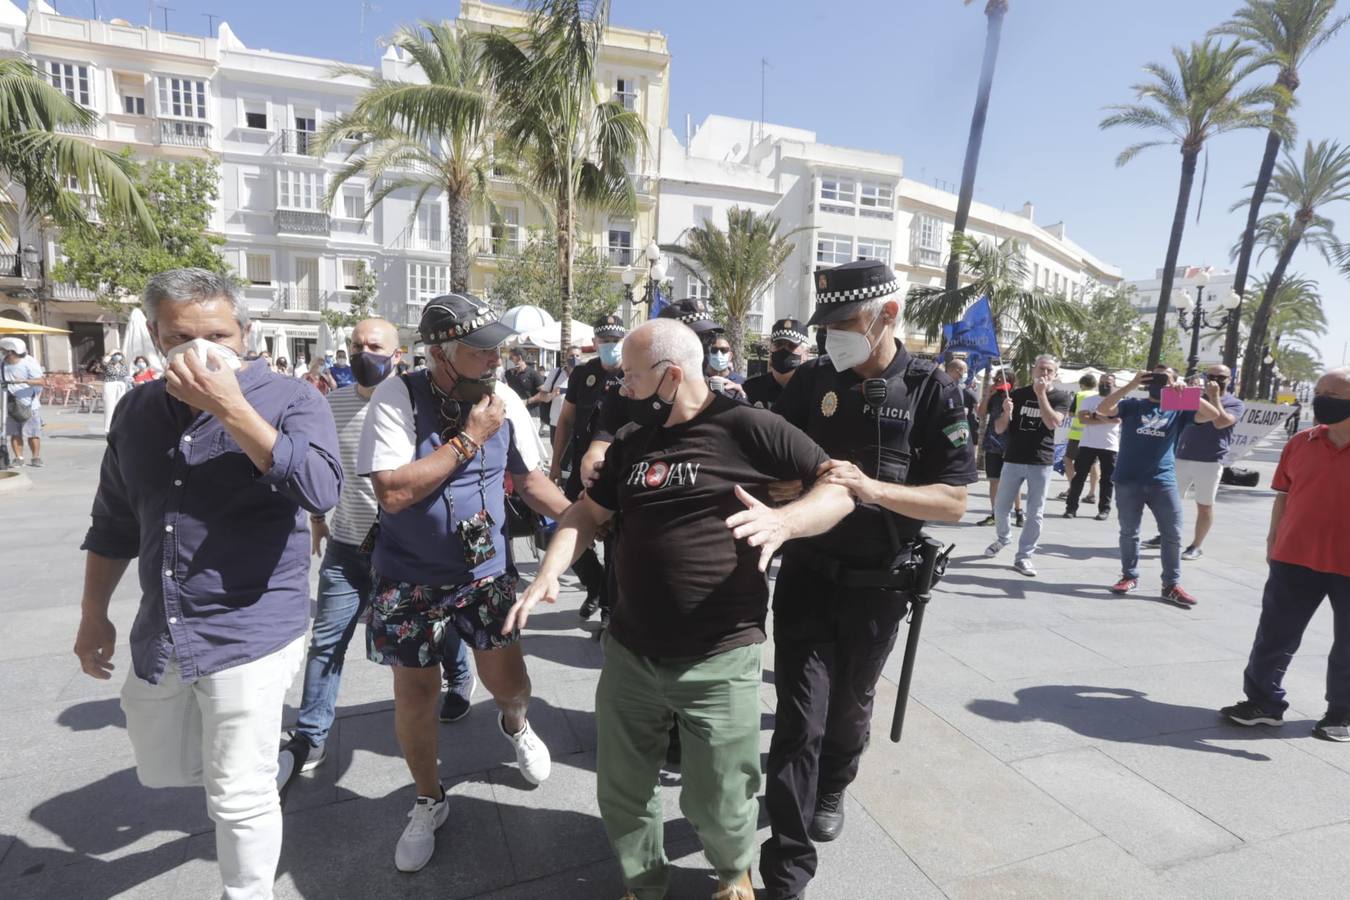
1146	475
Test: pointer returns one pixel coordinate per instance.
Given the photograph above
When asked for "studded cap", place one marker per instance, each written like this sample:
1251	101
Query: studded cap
840	288
788	330
610	326
694	313
463	318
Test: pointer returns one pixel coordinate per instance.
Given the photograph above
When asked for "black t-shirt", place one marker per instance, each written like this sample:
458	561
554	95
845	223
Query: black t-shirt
588	384
762	390
687	587
829	406
1028	440
972	403
526	383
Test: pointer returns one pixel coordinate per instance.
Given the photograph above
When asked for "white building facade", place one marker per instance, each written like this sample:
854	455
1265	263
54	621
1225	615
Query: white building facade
1206	282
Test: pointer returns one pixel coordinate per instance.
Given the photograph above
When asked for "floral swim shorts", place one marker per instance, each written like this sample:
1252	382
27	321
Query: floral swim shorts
407	622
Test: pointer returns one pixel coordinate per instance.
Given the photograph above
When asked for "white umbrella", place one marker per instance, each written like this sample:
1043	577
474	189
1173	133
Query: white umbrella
253	344
281	345
550	336
138	341
328	341
526	318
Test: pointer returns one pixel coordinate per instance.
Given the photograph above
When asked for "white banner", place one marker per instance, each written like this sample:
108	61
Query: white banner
1258	420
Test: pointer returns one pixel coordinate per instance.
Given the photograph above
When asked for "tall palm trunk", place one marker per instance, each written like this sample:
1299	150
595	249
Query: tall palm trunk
1252	359
994	31
736	338
1155	346
459	241
565	236
1230	343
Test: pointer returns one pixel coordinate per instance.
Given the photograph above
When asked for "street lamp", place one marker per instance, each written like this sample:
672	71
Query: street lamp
31	258
1216	317
629	276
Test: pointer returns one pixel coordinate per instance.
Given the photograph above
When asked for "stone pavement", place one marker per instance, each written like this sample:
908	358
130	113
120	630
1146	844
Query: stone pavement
1061	742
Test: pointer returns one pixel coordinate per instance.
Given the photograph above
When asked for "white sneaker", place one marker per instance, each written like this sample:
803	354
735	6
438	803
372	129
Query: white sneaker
1025	567
994	549
418	841
531	754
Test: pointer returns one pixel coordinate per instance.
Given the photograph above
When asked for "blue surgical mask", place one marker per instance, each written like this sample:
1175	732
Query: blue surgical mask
611	355
719	362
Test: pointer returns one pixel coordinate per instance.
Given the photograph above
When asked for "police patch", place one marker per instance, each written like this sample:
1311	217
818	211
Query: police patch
829	404
590	381
957	433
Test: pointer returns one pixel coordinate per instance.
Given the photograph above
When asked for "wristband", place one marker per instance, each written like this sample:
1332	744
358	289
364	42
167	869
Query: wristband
470	443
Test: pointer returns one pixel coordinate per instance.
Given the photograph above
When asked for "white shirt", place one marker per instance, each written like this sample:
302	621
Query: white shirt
1098	437
556	382
26	369
356	507
389	437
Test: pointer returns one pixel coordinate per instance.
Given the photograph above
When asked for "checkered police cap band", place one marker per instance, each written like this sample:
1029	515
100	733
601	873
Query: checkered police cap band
615	331
853	295
788	334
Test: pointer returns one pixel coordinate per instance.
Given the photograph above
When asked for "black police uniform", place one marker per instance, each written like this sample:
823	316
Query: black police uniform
836	611
764	390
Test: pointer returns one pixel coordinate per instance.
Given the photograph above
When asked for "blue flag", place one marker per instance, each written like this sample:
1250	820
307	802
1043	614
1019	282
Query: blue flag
974	335
659	302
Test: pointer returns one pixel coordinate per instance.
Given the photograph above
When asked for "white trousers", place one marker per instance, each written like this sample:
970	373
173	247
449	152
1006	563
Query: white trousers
221	732
113	392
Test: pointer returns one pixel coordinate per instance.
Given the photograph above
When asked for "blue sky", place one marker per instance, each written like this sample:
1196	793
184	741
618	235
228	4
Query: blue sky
899	76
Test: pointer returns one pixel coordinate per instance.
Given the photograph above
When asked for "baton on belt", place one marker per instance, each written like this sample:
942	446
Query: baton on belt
930	555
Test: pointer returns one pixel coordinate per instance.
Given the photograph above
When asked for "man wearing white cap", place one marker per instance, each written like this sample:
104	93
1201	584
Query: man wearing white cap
23	385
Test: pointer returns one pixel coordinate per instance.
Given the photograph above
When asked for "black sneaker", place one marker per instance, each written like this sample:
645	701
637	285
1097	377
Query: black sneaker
1335	726
297	756
1155	541
458	700
1070	513
589	605
1102	516
1248	713
987	520
1019	519
828	821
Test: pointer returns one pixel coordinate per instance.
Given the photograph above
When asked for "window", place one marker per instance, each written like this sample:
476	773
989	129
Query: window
300	190
1035	274
351	273
255	114
182	98
697	289
69	78
133	106
874	248
256	193
258	268
426	281
619	240
625	91
834	249
876	196
353	203
839	190
754	319
429	222
506	232
702	215
930	233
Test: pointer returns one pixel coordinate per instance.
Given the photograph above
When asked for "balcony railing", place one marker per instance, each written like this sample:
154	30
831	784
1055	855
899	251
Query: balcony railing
82	130
298	299
620	256
173	133
925	256
11	265
299	143
302	221
412	313
411	239
62	291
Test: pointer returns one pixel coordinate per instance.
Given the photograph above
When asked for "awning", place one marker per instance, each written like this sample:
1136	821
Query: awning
14	326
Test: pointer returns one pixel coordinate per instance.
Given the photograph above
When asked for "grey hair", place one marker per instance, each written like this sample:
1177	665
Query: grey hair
1045	356
676	342
192	286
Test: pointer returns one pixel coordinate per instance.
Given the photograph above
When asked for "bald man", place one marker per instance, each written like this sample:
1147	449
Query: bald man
1306	550
344	575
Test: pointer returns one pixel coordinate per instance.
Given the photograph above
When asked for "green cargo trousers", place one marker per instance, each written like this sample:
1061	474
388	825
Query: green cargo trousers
716	701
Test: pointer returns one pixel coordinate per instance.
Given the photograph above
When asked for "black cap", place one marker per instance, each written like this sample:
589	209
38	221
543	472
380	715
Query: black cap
694	313
841	288
610	326
463	318
788	330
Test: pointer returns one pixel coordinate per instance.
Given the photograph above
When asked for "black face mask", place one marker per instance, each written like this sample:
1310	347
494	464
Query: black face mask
648	411
1104	389
784	361
369	369
1328	410
471	390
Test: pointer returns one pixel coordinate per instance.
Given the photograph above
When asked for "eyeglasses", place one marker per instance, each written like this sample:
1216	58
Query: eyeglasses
627	381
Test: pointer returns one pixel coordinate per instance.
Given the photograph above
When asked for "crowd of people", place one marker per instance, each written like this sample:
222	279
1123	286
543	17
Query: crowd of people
224	477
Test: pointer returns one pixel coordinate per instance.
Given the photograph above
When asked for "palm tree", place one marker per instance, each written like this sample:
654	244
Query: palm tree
994	11
1296	317
1284	33
1036	320
40	156
422	137
1322	179
738	264
575	147
1201	99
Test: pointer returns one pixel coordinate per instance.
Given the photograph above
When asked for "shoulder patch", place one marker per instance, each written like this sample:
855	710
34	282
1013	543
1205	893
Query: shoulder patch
958	434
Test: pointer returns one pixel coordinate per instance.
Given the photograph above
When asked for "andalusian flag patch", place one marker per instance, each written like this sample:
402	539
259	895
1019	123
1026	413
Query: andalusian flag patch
958	433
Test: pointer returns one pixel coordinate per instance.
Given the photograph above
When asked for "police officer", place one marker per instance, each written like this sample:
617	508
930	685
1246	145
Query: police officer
698	316
787	351
895	429
578	424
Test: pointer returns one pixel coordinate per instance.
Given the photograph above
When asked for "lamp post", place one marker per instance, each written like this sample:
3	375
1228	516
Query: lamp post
1267	366
29	268
1192	320
656	272
629	276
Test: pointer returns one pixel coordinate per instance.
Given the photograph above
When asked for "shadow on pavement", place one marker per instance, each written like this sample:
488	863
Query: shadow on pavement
1095	712
93	715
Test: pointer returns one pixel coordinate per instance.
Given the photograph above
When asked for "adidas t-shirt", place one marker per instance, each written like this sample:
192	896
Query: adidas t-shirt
1148	442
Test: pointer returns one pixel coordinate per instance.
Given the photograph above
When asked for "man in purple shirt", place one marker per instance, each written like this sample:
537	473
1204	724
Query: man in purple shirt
207	479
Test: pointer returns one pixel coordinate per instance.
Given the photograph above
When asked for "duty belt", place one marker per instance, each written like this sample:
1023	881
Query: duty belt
900	576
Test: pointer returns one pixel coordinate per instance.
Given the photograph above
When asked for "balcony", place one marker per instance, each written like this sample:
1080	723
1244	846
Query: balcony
412	314
296	143
11	265
297	299
175	133
350	228
412	239
62	291
302	221
90	130
925	256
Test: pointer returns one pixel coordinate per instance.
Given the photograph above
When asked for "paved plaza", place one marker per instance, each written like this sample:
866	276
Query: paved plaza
1061	742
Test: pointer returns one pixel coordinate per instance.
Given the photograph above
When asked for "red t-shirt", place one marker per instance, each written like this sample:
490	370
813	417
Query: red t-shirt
1315	474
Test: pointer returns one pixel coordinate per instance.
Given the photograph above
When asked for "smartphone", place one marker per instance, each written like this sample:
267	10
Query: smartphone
1184	400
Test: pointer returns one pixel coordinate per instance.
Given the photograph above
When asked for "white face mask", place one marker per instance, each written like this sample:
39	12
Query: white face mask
224	355
848	349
